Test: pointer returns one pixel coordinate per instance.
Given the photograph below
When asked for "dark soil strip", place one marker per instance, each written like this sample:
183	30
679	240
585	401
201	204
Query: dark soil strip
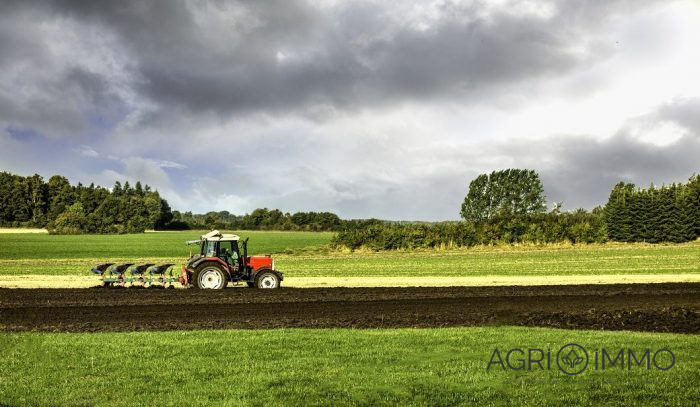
641	307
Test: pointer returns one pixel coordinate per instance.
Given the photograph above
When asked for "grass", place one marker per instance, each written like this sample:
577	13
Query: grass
445	366
159	244
22	254
528	261
305	254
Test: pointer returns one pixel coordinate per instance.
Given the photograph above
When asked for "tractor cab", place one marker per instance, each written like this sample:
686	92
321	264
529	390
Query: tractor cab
222	246
225	247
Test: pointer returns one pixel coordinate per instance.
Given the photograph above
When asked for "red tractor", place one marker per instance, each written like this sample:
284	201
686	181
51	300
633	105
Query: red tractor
223	258
220	260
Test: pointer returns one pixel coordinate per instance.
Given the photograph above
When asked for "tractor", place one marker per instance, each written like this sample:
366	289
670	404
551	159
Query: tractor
222	260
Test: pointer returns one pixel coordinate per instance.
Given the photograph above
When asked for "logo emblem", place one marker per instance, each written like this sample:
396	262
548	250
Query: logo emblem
572	359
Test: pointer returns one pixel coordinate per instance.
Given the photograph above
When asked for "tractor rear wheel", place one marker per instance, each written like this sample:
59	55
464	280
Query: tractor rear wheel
210	277
267	279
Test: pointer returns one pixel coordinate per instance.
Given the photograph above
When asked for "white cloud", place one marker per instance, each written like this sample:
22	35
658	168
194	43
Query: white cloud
148	172
87	151
169	164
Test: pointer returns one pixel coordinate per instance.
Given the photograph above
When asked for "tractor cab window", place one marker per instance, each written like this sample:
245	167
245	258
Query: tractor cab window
209	248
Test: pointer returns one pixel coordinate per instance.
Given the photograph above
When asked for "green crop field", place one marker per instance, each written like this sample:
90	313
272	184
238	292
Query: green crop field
158	244
581	260
32	253
445	366
306	254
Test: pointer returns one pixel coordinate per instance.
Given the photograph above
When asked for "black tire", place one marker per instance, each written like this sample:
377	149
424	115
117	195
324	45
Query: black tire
210	276
267	280
250	284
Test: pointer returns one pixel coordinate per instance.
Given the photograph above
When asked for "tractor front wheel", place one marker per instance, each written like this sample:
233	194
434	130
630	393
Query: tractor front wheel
267	279
210	277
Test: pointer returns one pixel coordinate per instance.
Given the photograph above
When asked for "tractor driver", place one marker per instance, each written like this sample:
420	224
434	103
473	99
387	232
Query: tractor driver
229	256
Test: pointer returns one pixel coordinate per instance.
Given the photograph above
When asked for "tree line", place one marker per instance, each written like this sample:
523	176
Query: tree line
63	208
501	207
259	219
507	207
667	214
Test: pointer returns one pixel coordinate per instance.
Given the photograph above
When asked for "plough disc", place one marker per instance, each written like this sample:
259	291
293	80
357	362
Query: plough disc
147	275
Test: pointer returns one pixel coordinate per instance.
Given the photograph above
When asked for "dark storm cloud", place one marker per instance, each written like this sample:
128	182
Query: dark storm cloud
287	55
685	112
43	87
61	105
221	56
246	56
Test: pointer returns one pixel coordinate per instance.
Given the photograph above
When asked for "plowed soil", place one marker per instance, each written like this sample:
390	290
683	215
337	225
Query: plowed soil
672	307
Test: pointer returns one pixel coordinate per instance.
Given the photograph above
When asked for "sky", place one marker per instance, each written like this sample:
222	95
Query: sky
363	108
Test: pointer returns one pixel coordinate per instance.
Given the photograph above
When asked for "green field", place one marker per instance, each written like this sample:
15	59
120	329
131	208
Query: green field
442	366
306	254
158	244
580	260
332	367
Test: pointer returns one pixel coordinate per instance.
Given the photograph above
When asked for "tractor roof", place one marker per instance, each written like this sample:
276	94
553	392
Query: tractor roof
215	235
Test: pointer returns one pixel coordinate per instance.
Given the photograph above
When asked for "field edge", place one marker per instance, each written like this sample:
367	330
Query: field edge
72	281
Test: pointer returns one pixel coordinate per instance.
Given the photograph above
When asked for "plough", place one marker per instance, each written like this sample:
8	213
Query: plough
142	275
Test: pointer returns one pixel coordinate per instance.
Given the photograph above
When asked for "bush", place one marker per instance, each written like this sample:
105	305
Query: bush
553	227
71	222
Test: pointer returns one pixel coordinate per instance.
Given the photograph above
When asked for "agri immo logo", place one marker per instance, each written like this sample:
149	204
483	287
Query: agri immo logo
573	359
